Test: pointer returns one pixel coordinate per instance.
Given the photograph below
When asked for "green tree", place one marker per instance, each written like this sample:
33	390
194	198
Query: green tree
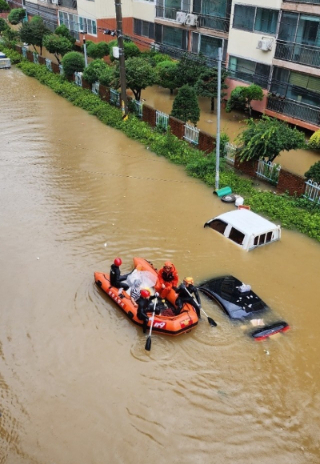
314	172
314	142
139	75
4	6
241	97
189	68
73	62
33	32
57	45
3	25
95	70
97	50
16	15
185	106
167	75
207	84
63	31
266	138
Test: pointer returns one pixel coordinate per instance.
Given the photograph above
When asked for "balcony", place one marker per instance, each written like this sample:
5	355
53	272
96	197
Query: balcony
294	110
297	53
72	4
213	22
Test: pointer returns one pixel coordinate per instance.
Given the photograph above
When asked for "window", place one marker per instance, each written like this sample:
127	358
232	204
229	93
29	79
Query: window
236	236
172	36
88	25
168	8
249	71
206	45
218	225
213	14
300	29
251	18
143	28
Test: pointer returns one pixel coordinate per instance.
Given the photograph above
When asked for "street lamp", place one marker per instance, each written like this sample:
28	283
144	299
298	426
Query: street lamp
85	48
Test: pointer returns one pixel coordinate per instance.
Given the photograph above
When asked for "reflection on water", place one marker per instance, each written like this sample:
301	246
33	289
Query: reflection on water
76	382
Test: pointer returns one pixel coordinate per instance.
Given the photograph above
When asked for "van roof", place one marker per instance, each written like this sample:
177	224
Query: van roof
247	222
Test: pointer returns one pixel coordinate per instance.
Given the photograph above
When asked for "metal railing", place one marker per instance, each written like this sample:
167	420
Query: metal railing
191	134
162	120
48	64
95	88
298	53
61	69
114	97
78	78
35	58
268	171
312	191
68	4
24	52
295	110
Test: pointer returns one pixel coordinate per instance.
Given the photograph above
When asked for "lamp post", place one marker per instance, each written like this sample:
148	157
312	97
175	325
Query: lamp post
218	120
85	49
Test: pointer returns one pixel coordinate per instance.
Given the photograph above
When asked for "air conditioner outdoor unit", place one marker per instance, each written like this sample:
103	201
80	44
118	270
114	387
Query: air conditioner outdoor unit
181	17
191	19
265	45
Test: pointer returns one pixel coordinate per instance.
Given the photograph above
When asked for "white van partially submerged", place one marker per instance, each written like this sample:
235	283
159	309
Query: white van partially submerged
245	228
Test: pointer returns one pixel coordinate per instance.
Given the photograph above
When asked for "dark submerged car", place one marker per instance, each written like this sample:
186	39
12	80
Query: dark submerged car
239	302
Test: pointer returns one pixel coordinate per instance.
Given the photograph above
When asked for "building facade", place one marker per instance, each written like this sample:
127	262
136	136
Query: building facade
276	47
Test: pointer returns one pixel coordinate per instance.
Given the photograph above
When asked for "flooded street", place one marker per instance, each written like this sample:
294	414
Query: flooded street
76	383
297	161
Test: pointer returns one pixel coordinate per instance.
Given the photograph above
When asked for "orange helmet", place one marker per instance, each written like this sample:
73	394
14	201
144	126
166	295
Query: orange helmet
188	280
117	261
144	293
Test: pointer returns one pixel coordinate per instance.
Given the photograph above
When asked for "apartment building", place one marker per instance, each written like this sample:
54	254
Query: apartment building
275	46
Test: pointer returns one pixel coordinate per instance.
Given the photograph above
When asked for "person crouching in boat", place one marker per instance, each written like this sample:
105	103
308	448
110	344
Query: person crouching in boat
167	278
144	306
116	279
185	292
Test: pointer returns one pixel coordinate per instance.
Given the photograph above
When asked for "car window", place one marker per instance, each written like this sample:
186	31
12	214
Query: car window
236	236
218	225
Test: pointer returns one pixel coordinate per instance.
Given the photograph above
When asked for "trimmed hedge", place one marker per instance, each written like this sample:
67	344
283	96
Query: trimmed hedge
293	213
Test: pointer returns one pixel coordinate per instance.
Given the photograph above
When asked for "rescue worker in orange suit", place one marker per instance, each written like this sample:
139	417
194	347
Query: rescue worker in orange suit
144	305
167	278
116	279
185	292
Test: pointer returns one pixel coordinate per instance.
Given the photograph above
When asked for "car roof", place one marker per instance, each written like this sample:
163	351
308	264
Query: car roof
247	221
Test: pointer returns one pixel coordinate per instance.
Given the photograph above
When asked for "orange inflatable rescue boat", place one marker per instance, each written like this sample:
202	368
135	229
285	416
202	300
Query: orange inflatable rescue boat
165	322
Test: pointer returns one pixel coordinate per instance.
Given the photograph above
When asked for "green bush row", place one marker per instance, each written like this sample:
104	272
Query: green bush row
14	56
293	213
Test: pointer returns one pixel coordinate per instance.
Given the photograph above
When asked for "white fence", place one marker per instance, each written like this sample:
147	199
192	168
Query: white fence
230	152
162	120
312	191
269	171
138	107
36	58
114	97
78	78
95	88
48	64
191	134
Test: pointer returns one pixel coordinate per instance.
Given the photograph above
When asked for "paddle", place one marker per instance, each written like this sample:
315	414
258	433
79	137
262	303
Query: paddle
210	320
148	342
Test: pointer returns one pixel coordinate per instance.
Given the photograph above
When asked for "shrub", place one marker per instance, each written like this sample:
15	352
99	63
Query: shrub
4	6
94	70
63	31
3	25
185	106
16	15
314	142
130	49
72	62
314	172
97	50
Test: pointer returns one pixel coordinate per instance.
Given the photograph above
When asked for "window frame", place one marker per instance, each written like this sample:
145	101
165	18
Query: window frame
254	19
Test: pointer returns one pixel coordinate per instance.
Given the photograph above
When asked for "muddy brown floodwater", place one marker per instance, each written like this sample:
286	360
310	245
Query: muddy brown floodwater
297	161
76	384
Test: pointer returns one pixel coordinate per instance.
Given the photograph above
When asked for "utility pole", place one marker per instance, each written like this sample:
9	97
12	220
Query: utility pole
218	119
124	102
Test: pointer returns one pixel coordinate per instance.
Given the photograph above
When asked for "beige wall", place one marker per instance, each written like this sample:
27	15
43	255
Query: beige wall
144	10
103	8
262	3
243	44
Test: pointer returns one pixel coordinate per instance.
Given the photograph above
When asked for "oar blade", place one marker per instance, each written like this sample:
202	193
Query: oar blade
148	344
212	322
